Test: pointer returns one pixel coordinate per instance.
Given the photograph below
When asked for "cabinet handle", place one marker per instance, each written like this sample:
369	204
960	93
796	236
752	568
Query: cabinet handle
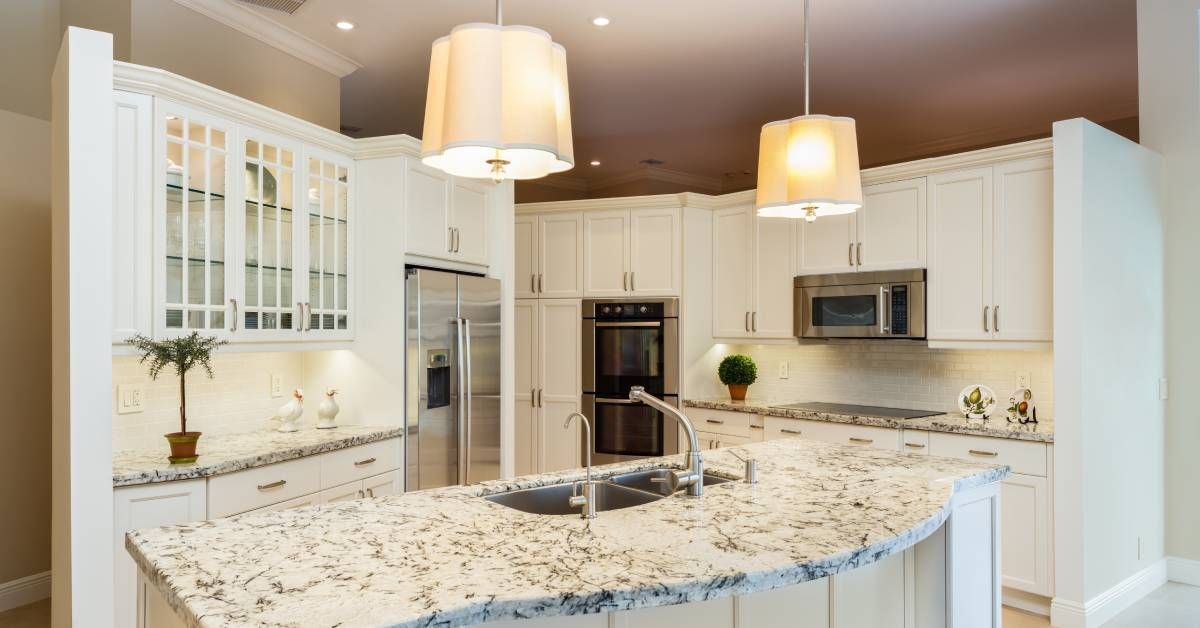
450	239
754	321
858	255
865	441
996	318
715	421
755	427
850	254
457	239
308	316
541	286
370	492
625	281
234	319
533	282
275	484
360	493
633	281
532	397
980	452
540	398
746	323
787	431
985	319
914	445
363	463
299	317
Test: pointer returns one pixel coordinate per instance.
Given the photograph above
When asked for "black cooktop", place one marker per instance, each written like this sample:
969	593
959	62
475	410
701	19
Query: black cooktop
853	410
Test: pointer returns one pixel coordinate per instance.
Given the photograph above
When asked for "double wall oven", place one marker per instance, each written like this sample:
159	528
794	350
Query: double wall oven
630	343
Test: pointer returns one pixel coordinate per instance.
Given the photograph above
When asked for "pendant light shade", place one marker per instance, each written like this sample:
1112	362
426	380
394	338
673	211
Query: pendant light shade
497	104
808	167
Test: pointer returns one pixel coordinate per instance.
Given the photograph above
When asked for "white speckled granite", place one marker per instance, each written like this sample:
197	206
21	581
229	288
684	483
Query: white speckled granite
445	557
234	452
996	427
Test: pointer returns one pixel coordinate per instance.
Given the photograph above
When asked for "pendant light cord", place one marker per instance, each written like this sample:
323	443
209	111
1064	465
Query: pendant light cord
806	57
500	12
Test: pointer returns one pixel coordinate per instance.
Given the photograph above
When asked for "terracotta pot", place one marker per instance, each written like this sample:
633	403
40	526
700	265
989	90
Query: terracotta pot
737	392
183	447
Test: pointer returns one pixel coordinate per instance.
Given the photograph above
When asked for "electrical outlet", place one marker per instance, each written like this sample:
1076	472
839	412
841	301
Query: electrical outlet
783	370
131	398
1022	379
1163	392
276	385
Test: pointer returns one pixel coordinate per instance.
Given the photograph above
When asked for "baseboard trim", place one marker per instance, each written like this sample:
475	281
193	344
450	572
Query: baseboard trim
24	591
1101	608
1183	570
1028	602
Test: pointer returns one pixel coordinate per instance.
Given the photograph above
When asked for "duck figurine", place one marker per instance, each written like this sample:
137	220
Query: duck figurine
289	413
327	410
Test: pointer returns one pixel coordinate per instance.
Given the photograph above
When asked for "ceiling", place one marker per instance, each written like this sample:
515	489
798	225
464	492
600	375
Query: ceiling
689	82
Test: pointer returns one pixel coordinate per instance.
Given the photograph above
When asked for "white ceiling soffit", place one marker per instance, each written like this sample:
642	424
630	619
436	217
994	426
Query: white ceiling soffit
274	34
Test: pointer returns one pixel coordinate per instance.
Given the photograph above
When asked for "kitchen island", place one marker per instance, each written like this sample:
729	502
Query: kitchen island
830	536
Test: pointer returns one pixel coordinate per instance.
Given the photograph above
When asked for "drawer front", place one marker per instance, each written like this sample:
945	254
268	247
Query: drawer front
312	499
778	427
261	487
1022	456
914	442
757	428
862	435
357	463
721	421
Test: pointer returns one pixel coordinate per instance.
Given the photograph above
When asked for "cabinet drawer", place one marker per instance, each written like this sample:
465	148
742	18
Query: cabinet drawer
757	428
357	463
863	435
1021	456
721	421
264	486
914	442
777	427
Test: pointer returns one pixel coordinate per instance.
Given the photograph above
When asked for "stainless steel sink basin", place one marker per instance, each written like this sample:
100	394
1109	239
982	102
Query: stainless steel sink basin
644	480
552	500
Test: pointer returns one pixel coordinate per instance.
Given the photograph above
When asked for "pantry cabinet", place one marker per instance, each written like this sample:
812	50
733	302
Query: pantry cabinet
888	232
753	258
549	256
633	252
548	384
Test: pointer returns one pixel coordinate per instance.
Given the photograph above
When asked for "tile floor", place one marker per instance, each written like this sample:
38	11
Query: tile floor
1173	605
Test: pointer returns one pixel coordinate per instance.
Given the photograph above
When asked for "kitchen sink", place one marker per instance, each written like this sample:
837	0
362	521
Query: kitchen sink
646	480
553	500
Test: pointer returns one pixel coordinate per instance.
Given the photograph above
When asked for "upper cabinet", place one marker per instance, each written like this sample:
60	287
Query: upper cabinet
549	256
447	217
752	277
632	252
990	261
888	232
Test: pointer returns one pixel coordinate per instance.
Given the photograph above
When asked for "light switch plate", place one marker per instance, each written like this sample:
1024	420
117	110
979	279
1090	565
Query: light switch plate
783	369
131	398
276	385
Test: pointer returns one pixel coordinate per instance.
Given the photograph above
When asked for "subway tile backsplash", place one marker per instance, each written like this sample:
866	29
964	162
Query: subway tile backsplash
897	374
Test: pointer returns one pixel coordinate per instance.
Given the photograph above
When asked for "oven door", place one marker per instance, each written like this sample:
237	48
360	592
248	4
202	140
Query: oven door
619	355
844	311
628	430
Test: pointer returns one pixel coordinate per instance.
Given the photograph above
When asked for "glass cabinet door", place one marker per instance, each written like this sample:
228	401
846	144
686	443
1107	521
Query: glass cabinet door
328	245
269	236
193	292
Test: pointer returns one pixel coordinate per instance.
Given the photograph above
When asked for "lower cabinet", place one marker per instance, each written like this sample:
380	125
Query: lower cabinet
381	485
549	384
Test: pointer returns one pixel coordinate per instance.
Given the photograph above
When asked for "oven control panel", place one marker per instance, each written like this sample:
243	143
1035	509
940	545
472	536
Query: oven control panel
628	311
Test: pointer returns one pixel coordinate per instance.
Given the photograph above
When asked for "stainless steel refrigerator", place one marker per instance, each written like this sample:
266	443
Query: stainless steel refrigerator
453	379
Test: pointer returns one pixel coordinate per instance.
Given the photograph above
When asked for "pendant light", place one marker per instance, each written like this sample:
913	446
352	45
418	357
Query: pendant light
808	165
497	104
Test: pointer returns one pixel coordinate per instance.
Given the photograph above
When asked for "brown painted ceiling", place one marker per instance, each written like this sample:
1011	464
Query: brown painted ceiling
690	82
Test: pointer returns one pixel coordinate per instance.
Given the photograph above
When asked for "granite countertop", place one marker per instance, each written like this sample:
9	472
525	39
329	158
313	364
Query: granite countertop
996	427
445	557
227	453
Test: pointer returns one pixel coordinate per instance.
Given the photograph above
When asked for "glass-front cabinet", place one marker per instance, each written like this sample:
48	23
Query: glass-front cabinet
255	233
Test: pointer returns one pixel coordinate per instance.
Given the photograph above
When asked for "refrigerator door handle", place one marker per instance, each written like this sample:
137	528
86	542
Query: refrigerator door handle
467	394
461	418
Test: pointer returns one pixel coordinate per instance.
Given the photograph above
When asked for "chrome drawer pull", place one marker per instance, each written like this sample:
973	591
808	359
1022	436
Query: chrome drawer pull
370	492
980	452
363	463
267	487
915	445
715	421
868	441
787	431
755	427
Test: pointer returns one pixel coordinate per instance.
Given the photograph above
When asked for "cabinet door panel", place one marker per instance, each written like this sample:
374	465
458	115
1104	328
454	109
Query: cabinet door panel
344	493
605	261
710	614
1024	226
269	251
803	605
871	595
384	484
561	263
1025	526
825	245
527	379
469	217
560	374
654	256
330	236
960	255
427	209
133	215
525	250
891	226
733	238
774	261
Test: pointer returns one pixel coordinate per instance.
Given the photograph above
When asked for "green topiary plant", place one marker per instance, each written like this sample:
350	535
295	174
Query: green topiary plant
737	372
184	354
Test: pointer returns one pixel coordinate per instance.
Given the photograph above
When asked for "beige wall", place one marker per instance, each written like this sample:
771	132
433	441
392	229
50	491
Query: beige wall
25	345
29	34
169	36
1169	86
110	16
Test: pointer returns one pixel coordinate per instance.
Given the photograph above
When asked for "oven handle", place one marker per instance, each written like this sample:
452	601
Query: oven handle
630	324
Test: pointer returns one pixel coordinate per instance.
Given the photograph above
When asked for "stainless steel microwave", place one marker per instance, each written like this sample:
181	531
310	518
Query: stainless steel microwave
881	304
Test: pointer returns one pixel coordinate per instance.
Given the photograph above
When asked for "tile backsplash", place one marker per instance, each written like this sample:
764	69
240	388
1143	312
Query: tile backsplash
898	374
237	399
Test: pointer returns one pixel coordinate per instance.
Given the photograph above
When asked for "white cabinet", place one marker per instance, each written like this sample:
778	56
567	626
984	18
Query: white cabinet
147	506
632	252
872	595
848	434
549	384
753	261
133	215
382	485
888	232
469	200
549	256
990	232
446	217
527	252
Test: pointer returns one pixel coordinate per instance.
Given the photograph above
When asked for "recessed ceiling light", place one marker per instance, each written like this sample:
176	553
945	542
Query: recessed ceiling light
346	26
595	162
601	21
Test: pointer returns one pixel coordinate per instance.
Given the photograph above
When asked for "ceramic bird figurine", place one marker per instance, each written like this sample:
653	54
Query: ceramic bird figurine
327	410
289	413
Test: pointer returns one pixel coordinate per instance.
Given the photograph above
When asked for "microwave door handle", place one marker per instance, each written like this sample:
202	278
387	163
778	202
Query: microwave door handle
885	303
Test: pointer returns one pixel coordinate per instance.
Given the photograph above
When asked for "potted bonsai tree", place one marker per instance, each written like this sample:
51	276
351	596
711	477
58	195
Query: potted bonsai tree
737	372
183	354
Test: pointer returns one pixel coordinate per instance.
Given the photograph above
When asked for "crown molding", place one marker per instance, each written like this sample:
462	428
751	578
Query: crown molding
561	182
656	173
157	82
387	146
274	34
